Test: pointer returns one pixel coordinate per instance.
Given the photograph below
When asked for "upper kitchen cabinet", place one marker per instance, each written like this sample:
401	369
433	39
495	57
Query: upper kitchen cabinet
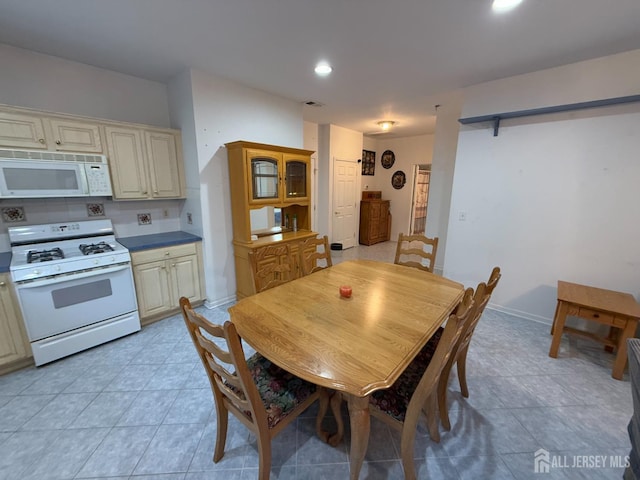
165	163
19	130
72	136
145	164
24	130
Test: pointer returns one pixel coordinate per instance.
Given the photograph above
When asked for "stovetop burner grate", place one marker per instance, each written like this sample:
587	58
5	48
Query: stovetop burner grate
36	256
93	248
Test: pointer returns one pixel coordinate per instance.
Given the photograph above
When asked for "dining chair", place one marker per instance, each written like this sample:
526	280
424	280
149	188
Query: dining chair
263	396
272	265
461	362
459	355
415	390
314	255
416	251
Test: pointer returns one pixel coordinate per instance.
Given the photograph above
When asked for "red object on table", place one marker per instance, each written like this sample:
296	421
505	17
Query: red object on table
345	291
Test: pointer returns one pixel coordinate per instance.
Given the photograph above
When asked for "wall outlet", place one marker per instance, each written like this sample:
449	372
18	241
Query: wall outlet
165	212
462	215
189	219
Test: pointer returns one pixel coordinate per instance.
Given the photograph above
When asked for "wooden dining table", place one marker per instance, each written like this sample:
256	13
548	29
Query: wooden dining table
353	345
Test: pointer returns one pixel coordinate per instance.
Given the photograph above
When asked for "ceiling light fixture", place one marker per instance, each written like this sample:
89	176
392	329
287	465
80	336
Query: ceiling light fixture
386	125
504	5
323	69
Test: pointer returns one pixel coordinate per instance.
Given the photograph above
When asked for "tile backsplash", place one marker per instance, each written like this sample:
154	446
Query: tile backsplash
124	215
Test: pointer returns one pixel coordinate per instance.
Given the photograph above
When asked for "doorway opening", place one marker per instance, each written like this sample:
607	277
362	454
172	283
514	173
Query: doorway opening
421	178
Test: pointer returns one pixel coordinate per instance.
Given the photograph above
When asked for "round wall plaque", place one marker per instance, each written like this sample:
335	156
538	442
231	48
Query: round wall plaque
398	179
388	159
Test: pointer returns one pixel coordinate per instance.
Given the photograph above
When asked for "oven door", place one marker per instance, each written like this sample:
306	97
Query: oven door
59	304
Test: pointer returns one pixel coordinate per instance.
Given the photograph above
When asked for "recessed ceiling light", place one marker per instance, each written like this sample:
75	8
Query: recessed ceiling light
504	5
323	69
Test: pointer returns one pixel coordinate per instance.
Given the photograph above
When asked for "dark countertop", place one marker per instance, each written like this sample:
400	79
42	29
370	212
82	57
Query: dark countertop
5	260
157	240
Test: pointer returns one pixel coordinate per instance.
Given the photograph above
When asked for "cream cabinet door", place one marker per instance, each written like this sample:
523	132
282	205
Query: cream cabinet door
18	130
152	288
164	169
72	136
127	163
185	278
13	344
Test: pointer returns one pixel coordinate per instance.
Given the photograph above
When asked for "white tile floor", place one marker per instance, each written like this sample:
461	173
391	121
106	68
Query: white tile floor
140	407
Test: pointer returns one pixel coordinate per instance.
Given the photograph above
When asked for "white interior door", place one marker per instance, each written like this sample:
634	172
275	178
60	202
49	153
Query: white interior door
345	174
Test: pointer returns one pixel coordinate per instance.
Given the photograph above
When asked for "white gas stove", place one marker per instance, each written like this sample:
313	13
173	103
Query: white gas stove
62	248
75	286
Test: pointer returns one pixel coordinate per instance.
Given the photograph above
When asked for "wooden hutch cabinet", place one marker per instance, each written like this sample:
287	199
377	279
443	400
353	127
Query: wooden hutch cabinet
270	192
375	218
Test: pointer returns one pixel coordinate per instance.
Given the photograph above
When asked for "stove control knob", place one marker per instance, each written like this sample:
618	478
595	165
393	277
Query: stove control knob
113	259
36	272
58	268
95	262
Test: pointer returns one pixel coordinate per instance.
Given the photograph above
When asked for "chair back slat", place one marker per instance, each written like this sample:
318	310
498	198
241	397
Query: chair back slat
452	331
481	299
235	383
411	246
314	255
493	280
272	265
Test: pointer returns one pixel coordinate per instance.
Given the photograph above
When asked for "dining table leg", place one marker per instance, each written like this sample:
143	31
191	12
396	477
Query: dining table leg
360	426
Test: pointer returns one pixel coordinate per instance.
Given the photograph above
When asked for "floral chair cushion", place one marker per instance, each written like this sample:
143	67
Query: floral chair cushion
394	400
280	390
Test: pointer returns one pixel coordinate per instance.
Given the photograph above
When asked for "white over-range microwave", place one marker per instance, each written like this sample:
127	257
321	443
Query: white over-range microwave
33	174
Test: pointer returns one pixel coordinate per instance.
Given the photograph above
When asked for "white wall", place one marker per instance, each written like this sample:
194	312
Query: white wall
49	83
310	142
442	167
409	151
183	118
553	197
43	82
225	112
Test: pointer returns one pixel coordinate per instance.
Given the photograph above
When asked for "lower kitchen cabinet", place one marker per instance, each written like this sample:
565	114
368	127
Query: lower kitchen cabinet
15	351
163	275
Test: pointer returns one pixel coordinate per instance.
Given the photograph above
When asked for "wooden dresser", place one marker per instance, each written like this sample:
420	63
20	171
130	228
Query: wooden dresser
375	218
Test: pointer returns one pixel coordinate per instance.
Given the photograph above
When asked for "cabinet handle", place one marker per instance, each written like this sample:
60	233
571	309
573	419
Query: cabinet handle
173	265
3	284
58	142
155	191
41	140
167	253
163	267
144	193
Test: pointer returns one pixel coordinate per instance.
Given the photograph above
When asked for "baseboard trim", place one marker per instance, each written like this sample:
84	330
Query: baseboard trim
520	314
219	302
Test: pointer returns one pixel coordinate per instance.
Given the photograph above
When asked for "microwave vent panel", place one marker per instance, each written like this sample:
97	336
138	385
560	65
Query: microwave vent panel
50	156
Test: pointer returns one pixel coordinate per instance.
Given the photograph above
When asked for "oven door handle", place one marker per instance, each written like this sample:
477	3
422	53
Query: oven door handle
78	276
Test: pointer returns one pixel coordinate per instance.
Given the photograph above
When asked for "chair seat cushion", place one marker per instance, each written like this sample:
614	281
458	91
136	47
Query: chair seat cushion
281	391
394	400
